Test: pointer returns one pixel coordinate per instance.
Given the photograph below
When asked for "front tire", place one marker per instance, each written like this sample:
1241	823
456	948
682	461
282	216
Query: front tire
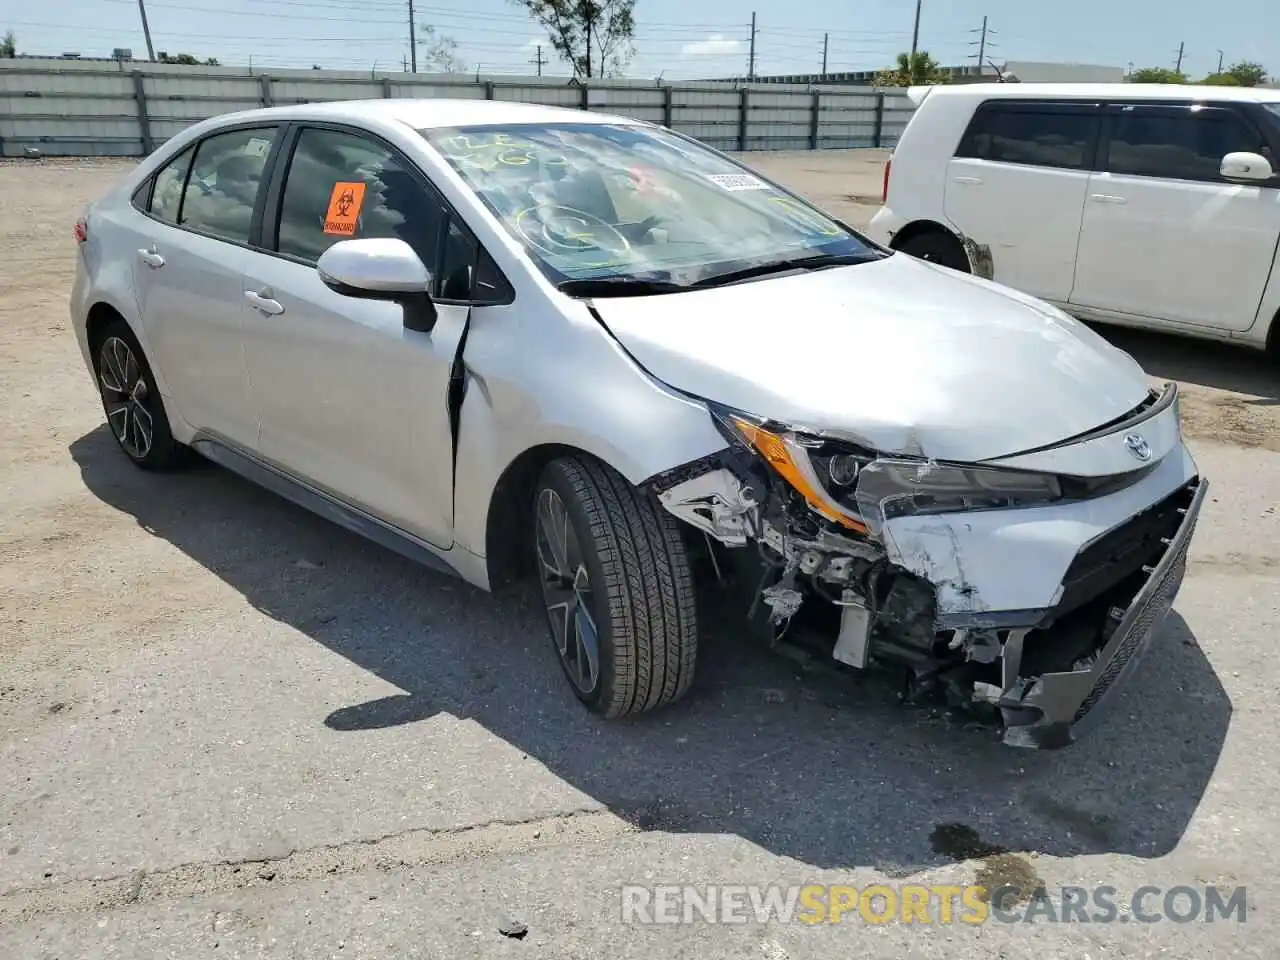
617	587
131	400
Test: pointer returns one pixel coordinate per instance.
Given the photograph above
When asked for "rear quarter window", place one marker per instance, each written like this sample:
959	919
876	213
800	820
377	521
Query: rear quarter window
1029	134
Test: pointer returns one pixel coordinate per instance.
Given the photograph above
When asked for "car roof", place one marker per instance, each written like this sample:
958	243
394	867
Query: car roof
1100	91
422	114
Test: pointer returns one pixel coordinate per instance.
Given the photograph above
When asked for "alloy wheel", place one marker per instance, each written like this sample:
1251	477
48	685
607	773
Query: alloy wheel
125	395
566	591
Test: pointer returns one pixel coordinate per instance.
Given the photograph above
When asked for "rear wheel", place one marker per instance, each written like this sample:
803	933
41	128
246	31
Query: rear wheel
617	588
131	400
938	247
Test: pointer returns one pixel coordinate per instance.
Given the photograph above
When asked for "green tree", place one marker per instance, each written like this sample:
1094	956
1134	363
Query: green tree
593	36
439	51
8	46
1220	80
1247	74
1157	75
912	72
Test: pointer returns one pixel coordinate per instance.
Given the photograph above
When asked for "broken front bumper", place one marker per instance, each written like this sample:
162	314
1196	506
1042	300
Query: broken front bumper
1055	709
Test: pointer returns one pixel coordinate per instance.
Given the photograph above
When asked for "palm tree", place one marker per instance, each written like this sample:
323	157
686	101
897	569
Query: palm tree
912	70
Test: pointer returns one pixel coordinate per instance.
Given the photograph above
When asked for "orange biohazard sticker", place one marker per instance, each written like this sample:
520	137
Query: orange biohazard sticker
344	209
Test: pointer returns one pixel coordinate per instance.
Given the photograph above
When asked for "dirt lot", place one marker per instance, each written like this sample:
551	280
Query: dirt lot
230	729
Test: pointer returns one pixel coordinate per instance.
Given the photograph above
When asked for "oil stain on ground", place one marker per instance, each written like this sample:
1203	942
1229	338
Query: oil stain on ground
1010	875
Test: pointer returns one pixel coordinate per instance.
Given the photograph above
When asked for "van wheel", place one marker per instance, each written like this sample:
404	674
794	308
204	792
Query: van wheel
938	247
130	399
617	588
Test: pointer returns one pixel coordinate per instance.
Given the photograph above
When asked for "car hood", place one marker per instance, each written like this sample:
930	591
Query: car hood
901	355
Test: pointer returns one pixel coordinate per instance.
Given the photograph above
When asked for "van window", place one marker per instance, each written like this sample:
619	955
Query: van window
1019	133
1177	143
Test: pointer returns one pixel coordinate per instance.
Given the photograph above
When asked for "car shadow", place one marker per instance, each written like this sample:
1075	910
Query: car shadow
828	771
1221	365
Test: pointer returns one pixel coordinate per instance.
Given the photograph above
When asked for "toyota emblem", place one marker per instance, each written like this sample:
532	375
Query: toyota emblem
1138	446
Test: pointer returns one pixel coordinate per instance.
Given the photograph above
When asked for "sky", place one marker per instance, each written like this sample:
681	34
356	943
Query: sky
674	39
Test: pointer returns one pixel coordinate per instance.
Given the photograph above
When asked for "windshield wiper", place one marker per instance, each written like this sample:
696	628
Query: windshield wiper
618	287
817	262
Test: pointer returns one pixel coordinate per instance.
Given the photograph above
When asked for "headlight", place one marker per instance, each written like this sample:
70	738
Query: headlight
860	489
788	453
889	488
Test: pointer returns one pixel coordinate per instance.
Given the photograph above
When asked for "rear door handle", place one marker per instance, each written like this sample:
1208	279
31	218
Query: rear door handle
264	303
968	179
151	258
1106	198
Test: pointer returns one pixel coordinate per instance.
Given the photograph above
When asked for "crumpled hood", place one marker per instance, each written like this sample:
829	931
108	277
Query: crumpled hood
905	356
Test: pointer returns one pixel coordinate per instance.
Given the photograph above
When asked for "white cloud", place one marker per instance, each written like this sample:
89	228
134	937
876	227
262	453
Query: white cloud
713	46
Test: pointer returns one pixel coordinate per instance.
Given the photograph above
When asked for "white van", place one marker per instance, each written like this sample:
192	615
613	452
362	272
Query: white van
1151	206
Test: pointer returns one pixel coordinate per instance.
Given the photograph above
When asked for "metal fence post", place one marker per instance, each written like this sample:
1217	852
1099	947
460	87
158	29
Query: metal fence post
877	137
488	89
667	106
586	97
264	84
744	109
144	122
815	117
386	87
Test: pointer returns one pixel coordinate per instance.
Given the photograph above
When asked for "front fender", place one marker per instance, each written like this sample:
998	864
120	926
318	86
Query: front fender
567	385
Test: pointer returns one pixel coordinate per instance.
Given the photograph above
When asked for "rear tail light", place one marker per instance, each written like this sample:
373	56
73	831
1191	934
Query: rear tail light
82	230
888	166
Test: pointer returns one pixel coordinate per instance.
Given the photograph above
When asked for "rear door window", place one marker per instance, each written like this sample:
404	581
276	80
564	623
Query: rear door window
1177	142
166	195
1030	134
222	189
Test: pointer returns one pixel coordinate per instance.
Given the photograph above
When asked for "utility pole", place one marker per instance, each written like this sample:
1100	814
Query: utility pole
1220	62
982	45
751	57
146	30
413	41
826	41
1182	49
538	59
915	38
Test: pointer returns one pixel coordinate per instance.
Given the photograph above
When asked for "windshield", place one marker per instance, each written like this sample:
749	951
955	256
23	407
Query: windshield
618	202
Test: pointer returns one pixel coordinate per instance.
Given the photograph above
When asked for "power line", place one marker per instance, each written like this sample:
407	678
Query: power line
826	40
751	57
1182	48
538	59
146	30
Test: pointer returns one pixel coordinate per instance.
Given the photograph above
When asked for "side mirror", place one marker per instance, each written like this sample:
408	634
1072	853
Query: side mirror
381	268
1251	167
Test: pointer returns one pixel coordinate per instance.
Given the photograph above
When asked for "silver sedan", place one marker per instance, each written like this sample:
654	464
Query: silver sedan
510	340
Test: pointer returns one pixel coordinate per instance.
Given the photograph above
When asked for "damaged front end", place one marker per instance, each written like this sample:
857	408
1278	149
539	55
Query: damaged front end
962	579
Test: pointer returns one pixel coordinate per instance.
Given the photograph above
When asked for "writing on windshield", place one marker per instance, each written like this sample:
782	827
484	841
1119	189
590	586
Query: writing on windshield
598	200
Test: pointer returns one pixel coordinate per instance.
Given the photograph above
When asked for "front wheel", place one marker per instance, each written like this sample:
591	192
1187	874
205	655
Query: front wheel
617	588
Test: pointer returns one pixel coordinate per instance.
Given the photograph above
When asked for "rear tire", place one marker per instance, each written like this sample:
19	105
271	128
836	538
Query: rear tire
131	400
617	587
938	247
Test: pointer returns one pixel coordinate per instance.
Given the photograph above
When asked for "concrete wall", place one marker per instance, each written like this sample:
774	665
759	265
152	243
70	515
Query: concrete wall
104	108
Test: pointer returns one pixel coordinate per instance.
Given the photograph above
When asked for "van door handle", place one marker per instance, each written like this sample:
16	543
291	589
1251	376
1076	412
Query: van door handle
151	258
1106	198
968	179
264	303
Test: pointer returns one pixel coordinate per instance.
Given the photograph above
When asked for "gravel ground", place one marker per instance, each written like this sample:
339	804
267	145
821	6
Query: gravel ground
231	729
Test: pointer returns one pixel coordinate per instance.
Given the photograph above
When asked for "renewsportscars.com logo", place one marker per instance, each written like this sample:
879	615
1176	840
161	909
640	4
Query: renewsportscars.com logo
933	905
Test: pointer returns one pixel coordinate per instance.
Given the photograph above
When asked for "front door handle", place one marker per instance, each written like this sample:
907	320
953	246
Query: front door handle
1106	198
151	258
968	179
264	303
